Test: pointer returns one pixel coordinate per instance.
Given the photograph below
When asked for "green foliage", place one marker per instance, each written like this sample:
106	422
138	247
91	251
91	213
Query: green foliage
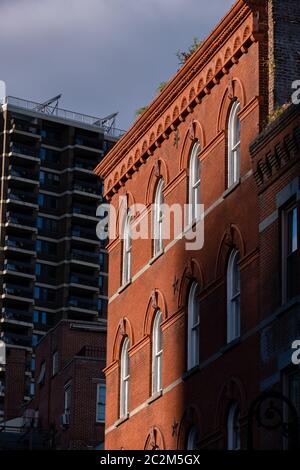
140	111
183	56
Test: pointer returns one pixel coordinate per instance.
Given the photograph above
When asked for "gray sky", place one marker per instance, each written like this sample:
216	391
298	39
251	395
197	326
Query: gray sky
102	55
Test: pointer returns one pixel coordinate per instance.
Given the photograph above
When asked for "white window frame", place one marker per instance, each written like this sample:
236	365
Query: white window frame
233	297
67	399
100	405
233	428
158	219
124	379
194	183
127	249
286	250
193	326
192	440
157	351
234	144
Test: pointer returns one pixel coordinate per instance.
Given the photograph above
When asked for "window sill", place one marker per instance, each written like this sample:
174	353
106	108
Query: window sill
122	420
158	255
231	189
230	345
190	372
124	286
154	397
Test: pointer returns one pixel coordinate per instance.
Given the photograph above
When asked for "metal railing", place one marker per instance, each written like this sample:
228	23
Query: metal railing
63	114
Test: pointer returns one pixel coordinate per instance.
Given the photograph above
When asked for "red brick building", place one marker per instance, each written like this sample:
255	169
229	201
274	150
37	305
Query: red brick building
69	402
195	336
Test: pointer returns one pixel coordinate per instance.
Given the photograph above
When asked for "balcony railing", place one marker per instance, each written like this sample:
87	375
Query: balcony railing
86	188
84	280
25	127
20	340
84	233
83	303
20	220
23	150
18	315
17	291
18	267
23	196
85	256
21	243
22	173
85	210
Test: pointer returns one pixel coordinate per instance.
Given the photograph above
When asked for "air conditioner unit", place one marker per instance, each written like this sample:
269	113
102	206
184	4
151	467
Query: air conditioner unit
65	420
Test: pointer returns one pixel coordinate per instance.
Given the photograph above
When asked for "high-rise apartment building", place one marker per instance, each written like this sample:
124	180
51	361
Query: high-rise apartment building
52	264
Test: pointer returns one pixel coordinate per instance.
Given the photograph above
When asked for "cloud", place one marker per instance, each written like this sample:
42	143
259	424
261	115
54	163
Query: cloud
103	55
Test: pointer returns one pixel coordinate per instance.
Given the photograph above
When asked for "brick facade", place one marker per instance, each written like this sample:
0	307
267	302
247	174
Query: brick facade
81	357
195	105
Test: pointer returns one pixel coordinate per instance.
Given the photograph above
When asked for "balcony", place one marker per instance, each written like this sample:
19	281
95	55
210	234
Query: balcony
86	281
84	304
22	196
89	189
80	209
85	256
19	243
25	293
19	267
86	165
86	233
16	339
24	126
26	176
22	149
17	315
24	221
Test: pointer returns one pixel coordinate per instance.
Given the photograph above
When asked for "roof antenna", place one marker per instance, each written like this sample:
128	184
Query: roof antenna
49	106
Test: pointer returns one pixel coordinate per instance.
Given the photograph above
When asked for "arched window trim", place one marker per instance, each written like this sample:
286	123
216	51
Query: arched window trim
233	296
192	439
194	183
157	351
233	428
158	219
124	378
234	144
193	326
127	247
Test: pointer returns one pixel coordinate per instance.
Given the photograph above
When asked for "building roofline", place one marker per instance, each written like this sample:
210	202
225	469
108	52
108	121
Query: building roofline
60	115
175	86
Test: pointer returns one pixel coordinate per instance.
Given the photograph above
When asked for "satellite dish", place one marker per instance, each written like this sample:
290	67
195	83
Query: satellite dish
2	92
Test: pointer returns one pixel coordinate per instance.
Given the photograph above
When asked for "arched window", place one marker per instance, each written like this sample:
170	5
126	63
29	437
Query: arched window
234	144
192	439
233	296
233	428
194	183
126	271
124	378
158	218
157	350
193	326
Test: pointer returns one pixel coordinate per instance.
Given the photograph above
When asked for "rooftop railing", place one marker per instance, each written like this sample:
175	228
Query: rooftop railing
64	114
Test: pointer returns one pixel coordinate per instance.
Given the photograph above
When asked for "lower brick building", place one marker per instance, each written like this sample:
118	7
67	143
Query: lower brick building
200	335
69	404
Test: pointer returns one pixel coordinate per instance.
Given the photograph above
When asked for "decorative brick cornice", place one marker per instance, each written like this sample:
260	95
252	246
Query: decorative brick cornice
203	71
276	147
